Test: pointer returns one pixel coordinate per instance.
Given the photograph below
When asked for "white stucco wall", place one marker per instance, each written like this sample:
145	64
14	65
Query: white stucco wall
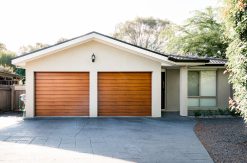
223	89
172	89
108	59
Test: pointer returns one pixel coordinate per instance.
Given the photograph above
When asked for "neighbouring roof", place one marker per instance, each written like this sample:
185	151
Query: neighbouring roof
206	60
176	59
9	75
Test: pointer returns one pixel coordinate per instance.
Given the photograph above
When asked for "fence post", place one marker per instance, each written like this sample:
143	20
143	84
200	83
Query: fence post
12	97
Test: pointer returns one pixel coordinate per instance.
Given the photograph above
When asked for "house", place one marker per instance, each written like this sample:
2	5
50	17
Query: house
9	78
10	90
97	75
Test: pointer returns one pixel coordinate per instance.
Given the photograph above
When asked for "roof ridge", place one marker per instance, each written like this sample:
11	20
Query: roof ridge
92	32
171	57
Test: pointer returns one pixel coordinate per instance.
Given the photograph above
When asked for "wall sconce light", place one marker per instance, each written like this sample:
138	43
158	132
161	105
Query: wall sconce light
93	57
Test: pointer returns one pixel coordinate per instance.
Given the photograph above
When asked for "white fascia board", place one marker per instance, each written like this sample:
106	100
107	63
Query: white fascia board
19	64
51	50
208	67
198	64
93	36
190	64
21	61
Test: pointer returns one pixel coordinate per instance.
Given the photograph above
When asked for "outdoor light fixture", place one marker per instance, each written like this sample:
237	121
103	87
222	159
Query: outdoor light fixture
93	58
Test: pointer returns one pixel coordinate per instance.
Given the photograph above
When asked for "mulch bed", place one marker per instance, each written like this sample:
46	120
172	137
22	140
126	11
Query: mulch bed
224	138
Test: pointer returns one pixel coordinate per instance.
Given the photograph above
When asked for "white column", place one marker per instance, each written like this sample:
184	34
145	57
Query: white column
183	91
30	96
156	93
93	94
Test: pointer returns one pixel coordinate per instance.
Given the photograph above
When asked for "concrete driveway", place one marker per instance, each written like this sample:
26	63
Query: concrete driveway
100	140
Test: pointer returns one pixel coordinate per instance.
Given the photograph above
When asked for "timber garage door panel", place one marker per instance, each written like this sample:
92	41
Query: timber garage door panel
124	94
62	94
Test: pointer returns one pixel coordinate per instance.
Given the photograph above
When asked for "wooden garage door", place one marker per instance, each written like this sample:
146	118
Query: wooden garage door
61	94
124	94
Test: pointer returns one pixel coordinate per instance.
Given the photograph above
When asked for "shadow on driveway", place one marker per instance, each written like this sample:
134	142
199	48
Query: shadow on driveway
100	140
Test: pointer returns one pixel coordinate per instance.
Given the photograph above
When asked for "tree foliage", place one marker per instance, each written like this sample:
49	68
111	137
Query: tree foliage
31	48
5	61
201	35
2	47
60	40
6	69
235	14
144	32
5	56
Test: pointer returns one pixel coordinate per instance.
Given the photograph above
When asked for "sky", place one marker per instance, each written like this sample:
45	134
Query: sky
25	22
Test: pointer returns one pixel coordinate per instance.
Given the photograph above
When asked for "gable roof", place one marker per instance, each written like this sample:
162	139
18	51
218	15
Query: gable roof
22	59
162	54
161	57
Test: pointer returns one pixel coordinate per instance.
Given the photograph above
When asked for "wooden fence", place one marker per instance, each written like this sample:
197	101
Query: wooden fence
9	97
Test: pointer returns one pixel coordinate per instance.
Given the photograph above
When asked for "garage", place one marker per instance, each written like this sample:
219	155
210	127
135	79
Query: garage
61	94
124	93
93	75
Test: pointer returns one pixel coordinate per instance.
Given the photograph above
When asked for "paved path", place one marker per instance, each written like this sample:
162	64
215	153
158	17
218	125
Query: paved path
100	140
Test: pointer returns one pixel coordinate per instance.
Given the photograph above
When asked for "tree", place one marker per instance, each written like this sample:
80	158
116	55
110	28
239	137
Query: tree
5	61
202	35
235	14
5	56
144	32
31	48
62	39
2	47
6	69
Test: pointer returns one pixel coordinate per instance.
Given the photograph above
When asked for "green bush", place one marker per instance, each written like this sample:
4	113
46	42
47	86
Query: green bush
197	113
235	16
209	112
222	111
233	112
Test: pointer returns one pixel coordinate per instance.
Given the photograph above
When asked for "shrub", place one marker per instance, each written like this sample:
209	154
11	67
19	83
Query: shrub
222	111
209	113
233	112
197	113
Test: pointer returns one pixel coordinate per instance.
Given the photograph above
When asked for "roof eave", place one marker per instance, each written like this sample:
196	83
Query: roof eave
171	58
223	65
21	60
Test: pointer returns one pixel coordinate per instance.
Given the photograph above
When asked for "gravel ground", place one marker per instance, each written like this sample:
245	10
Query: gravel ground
224	138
